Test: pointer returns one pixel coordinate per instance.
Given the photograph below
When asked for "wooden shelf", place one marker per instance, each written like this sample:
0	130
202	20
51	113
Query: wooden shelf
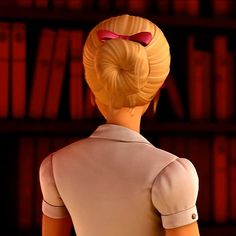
89	18
19	127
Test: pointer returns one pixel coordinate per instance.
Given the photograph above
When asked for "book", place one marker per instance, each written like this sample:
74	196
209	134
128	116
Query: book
200	154
224	80
4	68
199	81
220	179
26	183
41	73
57	75
192	7
232	179
42	150
76	74
222	8
18	69
174	97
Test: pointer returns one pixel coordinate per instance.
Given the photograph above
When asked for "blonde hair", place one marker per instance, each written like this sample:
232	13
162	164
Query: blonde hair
123	73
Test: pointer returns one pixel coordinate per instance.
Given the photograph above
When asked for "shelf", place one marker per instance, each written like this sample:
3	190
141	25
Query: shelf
89	18
19	127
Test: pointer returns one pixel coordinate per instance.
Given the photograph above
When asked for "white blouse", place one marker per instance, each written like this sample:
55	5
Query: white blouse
116	183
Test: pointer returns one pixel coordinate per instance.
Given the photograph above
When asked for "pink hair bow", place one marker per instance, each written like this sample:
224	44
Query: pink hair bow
143	38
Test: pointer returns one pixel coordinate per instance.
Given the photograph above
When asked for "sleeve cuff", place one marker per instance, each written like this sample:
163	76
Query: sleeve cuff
55	212
179	219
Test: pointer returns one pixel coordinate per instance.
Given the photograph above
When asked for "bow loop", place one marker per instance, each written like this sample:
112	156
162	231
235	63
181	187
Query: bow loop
143	38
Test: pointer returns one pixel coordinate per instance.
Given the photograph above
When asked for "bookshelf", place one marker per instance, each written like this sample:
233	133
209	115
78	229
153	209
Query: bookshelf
90	18
79	128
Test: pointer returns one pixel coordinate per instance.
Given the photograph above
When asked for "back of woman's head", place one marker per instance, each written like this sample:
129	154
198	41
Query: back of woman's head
123	72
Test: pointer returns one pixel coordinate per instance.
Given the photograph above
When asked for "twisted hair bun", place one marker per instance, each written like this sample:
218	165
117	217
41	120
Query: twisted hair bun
123	73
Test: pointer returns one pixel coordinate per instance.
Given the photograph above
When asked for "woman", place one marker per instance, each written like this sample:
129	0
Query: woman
116	183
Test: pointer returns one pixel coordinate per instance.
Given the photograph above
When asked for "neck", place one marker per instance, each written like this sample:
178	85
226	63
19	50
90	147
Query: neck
126	117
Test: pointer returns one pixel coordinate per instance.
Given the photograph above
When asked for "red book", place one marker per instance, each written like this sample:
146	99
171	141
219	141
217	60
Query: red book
25	3
193	7
59	3
137	6
25	178
222	7
18	70
220	179
199	153
199	81
76	74
224	80
41	73
42	149
41	3
57	75
74	4
4	68
232	179
174	96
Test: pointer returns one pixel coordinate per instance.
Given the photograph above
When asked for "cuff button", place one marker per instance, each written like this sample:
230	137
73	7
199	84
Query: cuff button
194	216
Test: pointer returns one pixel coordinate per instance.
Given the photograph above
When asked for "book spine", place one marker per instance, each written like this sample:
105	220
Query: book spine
41	73
232	179
4	68
57	75
220	179
175	97
224	87
18	70
193	7
76	75
199	80
199	153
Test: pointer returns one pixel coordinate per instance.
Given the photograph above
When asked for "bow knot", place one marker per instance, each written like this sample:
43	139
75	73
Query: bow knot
143	38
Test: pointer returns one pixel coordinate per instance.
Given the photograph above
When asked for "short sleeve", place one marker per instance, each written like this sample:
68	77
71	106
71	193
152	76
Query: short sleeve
174	194
52	205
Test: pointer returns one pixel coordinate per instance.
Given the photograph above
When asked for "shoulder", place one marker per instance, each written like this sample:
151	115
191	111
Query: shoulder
174	192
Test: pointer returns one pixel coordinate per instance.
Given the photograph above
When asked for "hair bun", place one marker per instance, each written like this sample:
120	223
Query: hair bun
122	67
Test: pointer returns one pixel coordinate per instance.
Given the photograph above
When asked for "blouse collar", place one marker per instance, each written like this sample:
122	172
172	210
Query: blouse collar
118	133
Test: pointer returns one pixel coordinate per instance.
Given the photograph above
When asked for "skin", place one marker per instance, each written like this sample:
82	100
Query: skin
131	119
